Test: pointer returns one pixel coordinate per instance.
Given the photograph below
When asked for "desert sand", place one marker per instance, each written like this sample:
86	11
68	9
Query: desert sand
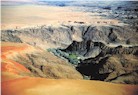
16	17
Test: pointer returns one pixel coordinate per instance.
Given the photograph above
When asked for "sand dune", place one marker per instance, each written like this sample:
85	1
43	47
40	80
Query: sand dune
40	86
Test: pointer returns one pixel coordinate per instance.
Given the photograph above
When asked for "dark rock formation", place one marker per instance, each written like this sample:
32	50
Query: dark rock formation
9	36
90	49
64	35
116	68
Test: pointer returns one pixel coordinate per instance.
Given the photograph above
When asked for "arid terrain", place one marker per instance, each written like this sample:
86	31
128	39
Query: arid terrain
69	48
18	80
16	17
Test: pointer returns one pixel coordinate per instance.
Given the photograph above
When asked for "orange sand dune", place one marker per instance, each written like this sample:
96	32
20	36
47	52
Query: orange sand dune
40	86
14	83
8	50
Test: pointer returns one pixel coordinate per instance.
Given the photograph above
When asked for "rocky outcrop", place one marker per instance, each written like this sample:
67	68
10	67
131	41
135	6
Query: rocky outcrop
90	49
64	35
115	68
9	35
86	40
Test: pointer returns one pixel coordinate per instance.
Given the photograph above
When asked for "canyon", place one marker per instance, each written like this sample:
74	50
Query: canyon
107	53
25	78
69	48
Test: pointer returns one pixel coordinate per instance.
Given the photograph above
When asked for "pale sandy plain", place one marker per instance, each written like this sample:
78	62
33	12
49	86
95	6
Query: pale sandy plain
35	15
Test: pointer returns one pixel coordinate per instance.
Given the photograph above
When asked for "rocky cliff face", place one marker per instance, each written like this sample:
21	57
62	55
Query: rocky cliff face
116	68
89	49
63	36
85	40
102	50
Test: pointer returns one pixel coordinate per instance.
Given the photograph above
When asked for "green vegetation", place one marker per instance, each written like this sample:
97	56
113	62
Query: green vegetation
71	57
